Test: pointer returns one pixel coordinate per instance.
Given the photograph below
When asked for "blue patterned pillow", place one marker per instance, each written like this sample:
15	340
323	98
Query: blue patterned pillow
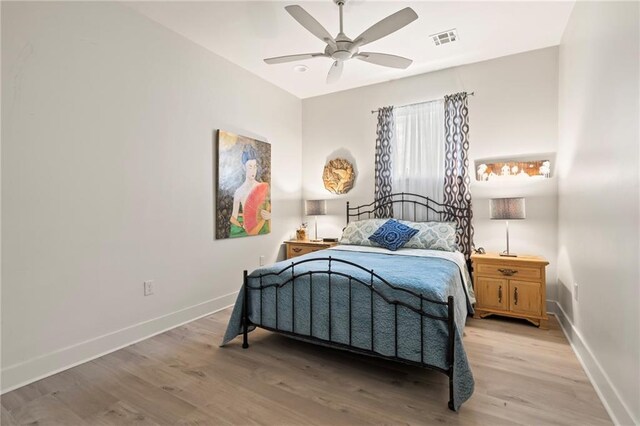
393	235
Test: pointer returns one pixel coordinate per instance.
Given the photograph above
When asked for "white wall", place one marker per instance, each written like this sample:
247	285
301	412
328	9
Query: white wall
514	112
599	216
107	180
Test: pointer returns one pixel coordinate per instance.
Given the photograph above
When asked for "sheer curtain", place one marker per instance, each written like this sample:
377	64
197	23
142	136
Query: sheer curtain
418	154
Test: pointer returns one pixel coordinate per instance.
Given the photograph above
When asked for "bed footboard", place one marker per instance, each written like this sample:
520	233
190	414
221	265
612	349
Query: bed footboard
374	282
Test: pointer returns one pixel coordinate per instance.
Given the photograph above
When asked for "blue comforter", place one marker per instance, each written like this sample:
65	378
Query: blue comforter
306	307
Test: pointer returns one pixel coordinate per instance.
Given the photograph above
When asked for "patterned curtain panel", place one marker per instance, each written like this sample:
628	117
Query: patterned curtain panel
383	160
456	180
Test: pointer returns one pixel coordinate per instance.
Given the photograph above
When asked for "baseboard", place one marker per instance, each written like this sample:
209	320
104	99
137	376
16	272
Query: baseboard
615	406
23	373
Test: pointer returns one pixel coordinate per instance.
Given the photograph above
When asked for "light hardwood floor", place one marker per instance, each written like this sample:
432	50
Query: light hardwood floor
523	376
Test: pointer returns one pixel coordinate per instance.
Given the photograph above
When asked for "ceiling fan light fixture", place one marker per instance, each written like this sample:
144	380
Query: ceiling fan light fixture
300	68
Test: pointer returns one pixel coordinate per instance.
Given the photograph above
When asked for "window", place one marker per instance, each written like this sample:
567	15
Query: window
418	151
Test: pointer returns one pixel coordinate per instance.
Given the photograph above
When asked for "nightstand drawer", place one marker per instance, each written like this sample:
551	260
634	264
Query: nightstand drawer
518	272
299	250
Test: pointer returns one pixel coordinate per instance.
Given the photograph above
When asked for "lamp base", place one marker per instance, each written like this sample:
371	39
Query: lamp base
506	253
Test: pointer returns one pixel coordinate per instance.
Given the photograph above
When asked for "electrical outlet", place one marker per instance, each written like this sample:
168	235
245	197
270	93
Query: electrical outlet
575	291
148	288
261	260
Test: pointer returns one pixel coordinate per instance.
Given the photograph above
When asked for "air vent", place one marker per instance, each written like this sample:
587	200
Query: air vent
445	37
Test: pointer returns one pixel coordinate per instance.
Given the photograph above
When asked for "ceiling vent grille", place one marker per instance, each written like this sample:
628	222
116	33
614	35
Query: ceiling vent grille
445	37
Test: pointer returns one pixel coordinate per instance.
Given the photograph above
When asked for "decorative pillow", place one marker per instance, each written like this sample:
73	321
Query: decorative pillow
357	233
393	235
433	235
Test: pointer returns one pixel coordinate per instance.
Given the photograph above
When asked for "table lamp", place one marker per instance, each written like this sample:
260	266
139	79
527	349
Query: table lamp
507	209
315	208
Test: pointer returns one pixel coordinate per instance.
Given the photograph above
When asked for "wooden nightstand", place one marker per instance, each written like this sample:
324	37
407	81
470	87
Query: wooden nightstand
510	286
298	248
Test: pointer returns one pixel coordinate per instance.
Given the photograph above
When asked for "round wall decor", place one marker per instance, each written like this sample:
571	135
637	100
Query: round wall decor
338	176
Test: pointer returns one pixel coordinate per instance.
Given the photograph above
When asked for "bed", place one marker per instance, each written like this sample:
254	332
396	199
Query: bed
408	306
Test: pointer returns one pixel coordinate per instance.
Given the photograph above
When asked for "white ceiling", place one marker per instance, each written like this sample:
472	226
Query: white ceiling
246	32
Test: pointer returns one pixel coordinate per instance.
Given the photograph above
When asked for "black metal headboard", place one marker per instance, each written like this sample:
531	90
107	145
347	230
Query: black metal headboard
410	205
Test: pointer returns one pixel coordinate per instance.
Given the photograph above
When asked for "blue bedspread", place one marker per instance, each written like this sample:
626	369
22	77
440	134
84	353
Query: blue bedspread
432	277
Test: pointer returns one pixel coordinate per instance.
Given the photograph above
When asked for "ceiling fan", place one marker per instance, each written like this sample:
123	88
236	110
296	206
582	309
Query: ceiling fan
342	48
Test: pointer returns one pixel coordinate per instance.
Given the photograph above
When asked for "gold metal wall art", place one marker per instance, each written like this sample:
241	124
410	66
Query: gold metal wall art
338	176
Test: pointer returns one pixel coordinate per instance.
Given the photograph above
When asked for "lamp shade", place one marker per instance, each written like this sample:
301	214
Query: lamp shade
315	207
507	208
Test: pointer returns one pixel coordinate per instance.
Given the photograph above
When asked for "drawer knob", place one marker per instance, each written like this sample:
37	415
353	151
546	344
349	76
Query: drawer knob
508	272
297	249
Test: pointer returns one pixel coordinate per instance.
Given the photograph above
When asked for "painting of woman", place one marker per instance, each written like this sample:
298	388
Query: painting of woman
244	196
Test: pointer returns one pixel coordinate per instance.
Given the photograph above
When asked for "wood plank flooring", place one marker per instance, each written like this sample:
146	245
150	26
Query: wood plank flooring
523	376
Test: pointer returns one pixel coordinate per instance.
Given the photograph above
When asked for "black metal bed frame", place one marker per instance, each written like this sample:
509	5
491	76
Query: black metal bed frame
447	213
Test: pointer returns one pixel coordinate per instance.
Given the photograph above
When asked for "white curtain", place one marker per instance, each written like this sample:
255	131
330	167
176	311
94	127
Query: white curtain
418	154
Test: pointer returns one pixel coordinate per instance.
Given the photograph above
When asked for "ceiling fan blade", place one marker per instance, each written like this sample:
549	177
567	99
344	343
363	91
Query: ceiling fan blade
335	72
384	59
387	26
310	23
292	58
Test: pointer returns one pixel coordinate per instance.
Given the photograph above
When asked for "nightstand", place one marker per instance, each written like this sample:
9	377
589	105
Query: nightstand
298	248
510	286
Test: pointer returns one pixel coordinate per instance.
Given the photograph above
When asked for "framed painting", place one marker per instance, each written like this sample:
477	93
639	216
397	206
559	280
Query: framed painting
243	191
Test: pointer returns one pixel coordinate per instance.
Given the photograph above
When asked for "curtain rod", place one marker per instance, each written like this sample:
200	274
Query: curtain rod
373	111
